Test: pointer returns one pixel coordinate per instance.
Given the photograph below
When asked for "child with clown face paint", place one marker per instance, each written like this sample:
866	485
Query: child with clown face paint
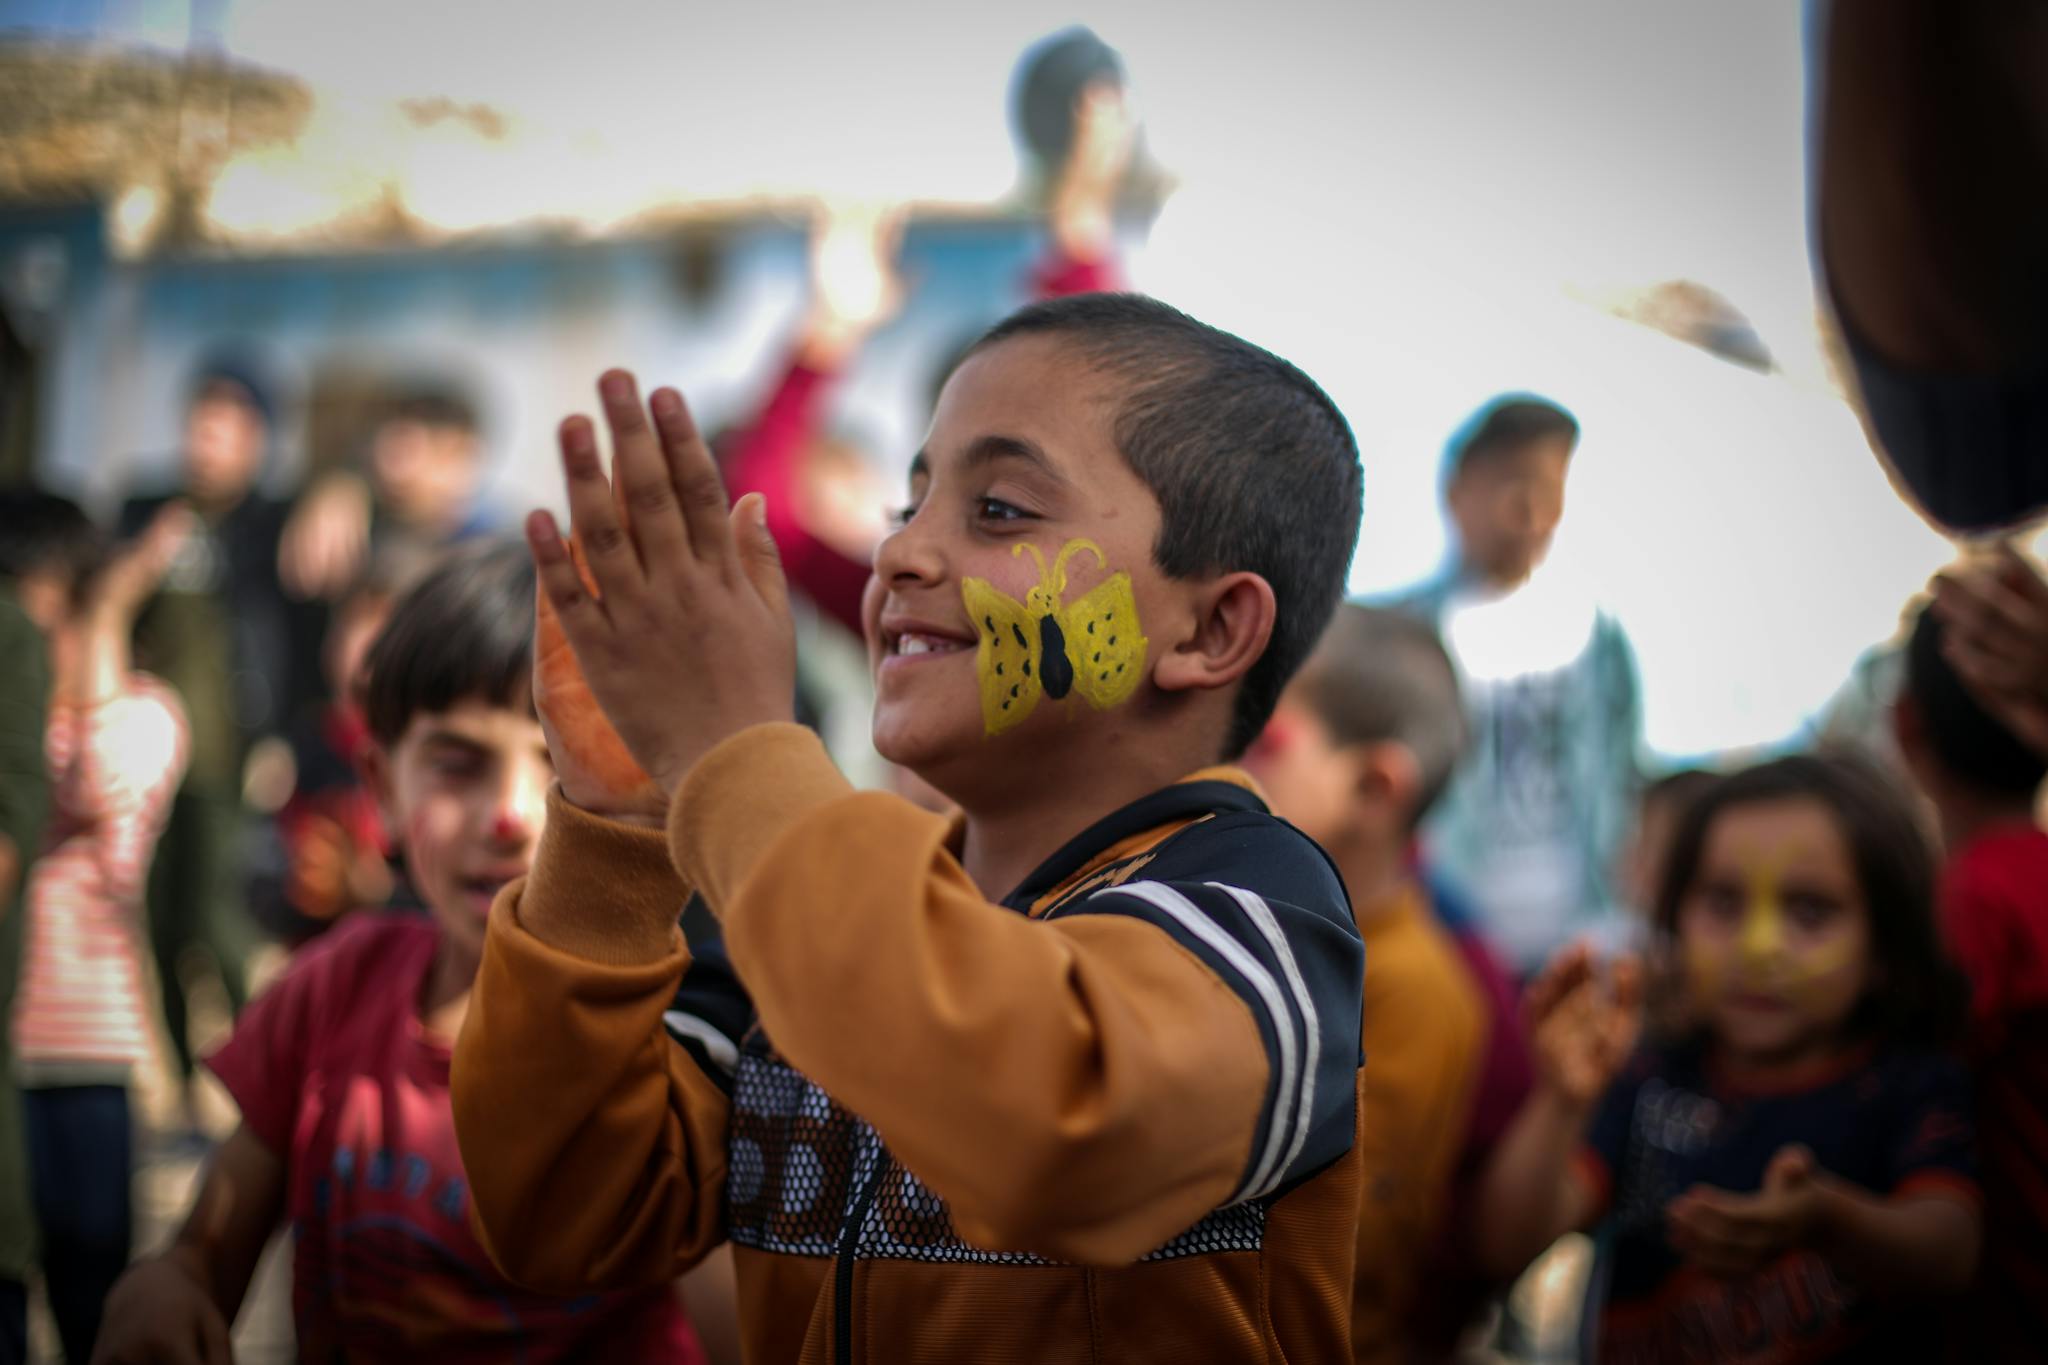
1787	1175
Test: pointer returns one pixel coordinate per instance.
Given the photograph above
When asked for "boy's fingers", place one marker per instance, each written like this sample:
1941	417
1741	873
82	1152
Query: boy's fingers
759	557
694	475
607	548
646	500
576	609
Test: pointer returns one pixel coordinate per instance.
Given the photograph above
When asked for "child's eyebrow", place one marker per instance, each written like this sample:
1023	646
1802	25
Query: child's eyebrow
450	739
984	450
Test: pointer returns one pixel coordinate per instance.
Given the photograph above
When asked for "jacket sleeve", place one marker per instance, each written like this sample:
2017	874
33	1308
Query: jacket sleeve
1085	1086
590	1101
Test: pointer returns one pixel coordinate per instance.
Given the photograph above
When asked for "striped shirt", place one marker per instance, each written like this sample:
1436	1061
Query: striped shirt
81	1016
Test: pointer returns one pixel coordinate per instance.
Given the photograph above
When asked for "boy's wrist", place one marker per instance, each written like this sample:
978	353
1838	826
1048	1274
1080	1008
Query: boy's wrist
1560	1104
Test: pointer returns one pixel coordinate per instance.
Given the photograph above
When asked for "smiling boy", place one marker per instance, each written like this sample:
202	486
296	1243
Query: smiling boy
1071	1077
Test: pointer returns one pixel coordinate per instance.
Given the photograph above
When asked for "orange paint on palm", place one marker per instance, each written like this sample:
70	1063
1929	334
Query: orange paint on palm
563	697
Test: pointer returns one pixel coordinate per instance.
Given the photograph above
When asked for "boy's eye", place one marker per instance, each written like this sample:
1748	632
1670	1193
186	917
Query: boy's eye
899	516
455	764
995	509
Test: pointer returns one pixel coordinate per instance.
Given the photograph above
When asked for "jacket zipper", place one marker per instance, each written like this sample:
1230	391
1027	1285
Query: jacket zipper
842	1273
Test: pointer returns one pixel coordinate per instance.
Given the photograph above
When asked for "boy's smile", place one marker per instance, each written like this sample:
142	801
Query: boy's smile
1021	452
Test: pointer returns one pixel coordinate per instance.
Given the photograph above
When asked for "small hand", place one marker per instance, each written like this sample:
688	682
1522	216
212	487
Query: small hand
1580	1028
1738	1234
157	1314
683	634
1996	621
137	567
855	286
326	539
592	763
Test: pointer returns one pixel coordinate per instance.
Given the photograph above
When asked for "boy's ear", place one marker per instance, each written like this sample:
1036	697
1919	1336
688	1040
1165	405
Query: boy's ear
1390	777
374	767
1233	619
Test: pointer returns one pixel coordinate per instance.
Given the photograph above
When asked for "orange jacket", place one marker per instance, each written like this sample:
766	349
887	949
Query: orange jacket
1109	1119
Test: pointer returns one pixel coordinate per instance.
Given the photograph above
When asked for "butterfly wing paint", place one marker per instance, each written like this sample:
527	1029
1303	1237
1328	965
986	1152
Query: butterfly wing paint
1103	642
1006	657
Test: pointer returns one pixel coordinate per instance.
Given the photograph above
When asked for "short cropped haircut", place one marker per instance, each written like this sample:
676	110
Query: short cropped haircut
463	632
1254	467
44	533
1505	425
1380	676
1973	745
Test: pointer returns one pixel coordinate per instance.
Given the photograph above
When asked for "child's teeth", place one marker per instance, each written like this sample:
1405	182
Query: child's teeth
914	644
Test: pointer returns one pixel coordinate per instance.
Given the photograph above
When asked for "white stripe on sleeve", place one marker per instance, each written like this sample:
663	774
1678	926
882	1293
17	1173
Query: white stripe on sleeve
1197	922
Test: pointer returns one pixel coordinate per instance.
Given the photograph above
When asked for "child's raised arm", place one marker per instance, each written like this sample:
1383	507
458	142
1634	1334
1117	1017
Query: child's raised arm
1581	1030
175	1308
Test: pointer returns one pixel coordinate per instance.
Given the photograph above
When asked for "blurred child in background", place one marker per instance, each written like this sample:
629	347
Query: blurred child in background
1789	1178
1362	742
326	852
417	493
116	744
24	802
1982	780
341	1069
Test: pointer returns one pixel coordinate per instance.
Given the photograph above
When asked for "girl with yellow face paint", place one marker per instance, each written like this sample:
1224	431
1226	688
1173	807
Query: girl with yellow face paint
1787	1175
1774	934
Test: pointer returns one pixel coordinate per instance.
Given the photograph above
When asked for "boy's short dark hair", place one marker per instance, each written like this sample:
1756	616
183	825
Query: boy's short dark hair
44	533
463	632
1253	465
1973	745
432	403
1504	425
1381	675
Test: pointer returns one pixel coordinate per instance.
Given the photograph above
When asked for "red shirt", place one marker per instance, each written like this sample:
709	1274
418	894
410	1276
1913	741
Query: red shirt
334	1071
1994	900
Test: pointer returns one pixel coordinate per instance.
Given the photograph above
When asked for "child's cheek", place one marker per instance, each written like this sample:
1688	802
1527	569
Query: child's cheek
1706	970
1824	980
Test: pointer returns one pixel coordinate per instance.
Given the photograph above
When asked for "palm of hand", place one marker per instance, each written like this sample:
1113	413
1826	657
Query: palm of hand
1577	1045
594	766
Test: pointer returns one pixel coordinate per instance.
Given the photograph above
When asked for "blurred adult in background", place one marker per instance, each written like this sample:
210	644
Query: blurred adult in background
219	632
1532	824
115	746
416	494
29	601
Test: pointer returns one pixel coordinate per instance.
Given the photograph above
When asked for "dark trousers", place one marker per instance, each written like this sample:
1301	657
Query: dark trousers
81	1164
13	1323
195	901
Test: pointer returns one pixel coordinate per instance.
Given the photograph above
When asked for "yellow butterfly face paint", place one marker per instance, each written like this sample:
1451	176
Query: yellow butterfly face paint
1041	648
